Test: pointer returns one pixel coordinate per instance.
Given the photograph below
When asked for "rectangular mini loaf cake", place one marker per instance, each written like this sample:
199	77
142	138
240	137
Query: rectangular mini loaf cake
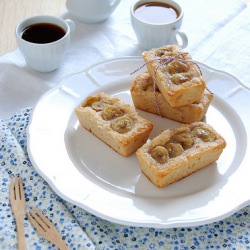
179	152
177	77
147	99
114	122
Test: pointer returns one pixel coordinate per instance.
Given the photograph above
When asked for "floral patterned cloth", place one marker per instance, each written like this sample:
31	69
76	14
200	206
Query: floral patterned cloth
82	230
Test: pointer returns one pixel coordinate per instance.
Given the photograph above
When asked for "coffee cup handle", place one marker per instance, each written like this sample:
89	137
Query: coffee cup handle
71	26
183	37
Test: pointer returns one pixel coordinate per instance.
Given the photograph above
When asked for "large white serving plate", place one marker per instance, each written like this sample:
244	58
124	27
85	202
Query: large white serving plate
86	172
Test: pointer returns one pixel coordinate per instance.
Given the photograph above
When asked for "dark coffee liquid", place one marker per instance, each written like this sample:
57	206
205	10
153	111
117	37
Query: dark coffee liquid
43	33
156	12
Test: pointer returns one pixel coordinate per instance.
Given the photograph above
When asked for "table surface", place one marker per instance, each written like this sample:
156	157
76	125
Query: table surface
20	10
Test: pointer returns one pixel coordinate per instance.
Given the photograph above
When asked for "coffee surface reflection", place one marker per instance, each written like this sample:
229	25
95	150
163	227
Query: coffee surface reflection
156	12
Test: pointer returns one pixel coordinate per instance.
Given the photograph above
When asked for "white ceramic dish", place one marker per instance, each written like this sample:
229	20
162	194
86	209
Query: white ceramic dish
86	172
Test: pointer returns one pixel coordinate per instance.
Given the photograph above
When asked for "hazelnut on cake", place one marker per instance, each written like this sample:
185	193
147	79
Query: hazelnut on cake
178	78
179	152
114	122
148	98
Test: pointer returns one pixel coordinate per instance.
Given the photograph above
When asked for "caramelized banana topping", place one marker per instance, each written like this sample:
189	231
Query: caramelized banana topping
181	78
111	112
164	53
96	103
122	124
204	134
177	67
160	154
185	139
174	149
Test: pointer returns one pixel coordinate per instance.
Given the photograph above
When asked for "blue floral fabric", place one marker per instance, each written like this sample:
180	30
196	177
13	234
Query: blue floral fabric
82	230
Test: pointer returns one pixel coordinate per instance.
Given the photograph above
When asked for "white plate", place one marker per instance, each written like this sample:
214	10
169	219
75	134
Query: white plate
86	172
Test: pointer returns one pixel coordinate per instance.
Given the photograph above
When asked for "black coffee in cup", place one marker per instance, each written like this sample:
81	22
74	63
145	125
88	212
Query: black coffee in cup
43	33
156	12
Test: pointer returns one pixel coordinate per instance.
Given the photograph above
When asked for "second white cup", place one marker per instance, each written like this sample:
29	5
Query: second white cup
154	34
92	11
43	51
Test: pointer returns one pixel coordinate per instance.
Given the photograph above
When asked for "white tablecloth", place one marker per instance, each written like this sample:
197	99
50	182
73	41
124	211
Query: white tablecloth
219	35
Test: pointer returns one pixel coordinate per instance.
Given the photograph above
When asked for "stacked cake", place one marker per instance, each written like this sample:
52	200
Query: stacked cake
173	86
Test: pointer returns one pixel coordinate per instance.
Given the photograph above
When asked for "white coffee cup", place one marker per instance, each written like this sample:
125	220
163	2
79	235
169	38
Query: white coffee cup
44	57
154	35
91	11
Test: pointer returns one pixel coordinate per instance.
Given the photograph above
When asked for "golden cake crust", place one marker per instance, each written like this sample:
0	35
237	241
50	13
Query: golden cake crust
177	153
114	122
180	80
147	99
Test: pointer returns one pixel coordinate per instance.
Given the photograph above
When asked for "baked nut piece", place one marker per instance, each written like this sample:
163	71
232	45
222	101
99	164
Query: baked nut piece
114	122
148	99
179	152
177	77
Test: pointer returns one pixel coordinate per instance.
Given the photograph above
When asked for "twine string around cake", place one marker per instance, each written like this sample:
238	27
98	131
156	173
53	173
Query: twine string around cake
164	62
